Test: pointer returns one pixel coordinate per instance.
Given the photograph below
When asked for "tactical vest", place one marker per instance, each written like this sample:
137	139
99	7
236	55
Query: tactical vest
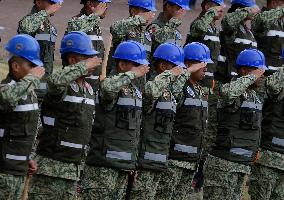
17	134
67	122
238	134
190	124
272	43
156	134
243	39
272	134
116	132
212	40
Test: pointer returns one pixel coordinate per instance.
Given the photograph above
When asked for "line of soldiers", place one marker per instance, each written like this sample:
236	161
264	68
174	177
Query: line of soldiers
214	106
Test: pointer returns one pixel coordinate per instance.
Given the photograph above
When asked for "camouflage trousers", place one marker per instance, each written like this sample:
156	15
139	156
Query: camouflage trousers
220	184
145	185
266	183
52	188
101	183
11	187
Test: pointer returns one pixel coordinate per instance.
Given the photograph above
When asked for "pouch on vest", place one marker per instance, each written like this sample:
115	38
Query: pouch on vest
223	138
164	122
249	120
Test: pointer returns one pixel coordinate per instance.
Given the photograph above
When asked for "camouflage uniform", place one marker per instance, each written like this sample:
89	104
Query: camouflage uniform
11	186
56	179
37	24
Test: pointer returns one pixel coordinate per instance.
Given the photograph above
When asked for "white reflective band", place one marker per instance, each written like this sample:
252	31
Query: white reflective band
2	132
195	102
93	77
129	102
273	68
45	37
95	37
166	106
14	157
210	74
74	99
278	141
273	33
222	58
155	157
118	155
204	104
25	108
241	152
48	120
245	41
251	105
185	149
234	74
147	47
42	86
97	97
72	145
212	38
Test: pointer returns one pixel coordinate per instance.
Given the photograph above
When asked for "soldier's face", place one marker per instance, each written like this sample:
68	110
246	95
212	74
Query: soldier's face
198	75
21	67
165	65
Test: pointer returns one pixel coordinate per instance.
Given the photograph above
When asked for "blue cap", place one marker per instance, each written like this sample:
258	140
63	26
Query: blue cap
57	1
219	2
247	3
251	58
146	4
198	52
102	1
26	47
184	4
132	51
77	42
171	53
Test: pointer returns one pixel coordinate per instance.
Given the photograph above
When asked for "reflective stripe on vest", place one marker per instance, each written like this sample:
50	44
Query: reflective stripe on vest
245	41
42	86
48	120
118	155
241	152
166	106
212	38
195	102
95	37
185	149
210	74
129	102
155	157
15	157
278	141
147	47
93	77
251	105
273	68
72	145
25	108
273	33
45	37
222	58
74	99
2	132
234	74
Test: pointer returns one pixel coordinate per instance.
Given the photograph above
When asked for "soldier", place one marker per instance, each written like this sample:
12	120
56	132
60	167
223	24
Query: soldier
18	114
89	21
38	25
268	29
115	138
165	27
190	122
159	107
67	117
266	182
236	33
239	121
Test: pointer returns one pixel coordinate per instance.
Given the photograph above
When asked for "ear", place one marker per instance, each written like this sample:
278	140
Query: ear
15	67
206	7
132	11
71	60
89	3
121	66
38	3
162	67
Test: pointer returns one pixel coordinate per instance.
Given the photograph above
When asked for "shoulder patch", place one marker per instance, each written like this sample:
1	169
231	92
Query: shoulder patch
74	86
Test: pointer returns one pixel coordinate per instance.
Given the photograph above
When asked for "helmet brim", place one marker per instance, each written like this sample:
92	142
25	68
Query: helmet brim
37	62
180	64
186	7
209	61
143	62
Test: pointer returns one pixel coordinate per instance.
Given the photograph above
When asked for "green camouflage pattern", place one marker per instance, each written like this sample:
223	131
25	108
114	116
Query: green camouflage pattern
183	190
103	183
84	23
52	188
11	187
11	94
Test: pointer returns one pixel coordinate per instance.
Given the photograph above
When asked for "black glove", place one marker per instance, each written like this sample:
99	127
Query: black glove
198	179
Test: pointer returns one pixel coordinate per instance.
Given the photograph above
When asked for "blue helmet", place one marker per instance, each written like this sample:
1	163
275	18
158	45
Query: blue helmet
198	52
57	1
171	53
132	51
219	2
146	4
282	55
77	42
102	1
247	3
251	58
184	4
26	47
